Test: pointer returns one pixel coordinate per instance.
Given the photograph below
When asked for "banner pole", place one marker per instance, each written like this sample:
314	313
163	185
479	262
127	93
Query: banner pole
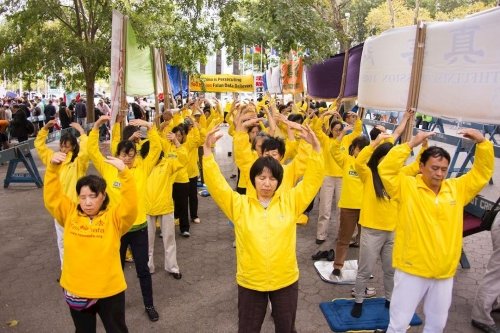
415	79
155	82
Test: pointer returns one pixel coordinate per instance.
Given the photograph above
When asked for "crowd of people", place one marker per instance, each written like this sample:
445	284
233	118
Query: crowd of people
409	216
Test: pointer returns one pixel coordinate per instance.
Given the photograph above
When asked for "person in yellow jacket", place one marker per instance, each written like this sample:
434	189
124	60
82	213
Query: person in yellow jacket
137	237
160	205
188	136
332	183
92	278
428	239
378	218
74	167
350	197
265	227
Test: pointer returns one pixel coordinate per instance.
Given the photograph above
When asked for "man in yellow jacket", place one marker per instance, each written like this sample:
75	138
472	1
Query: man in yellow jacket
428	239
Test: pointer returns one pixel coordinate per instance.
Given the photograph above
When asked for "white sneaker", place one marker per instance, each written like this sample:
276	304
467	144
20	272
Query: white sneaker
185	234
369	292
197	220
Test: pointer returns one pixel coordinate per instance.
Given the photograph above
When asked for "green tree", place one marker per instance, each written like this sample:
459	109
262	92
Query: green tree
51	36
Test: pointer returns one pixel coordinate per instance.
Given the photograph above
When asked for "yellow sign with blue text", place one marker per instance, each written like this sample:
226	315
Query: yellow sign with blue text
221	83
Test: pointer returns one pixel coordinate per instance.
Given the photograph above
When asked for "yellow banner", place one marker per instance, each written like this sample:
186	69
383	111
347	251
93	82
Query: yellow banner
221	83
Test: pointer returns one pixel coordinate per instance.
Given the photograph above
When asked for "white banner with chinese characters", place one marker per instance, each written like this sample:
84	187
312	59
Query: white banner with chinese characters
461	69
385	70
460	75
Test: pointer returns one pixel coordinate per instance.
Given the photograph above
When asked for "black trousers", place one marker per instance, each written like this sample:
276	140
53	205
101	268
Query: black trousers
180	194
252	306
110	309
200	163
193	197
138	241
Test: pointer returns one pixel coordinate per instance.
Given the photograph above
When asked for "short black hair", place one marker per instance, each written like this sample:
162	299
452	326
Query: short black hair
272	143
296	118
435	152
359	142
96	184
266	162
126	146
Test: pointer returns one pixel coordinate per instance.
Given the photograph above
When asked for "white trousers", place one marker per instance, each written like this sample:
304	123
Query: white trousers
489	288
409	290
60	240
170	248
328	195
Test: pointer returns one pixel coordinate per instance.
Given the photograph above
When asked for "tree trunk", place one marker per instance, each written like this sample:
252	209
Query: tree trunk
391	13
218	68
236	67
89	89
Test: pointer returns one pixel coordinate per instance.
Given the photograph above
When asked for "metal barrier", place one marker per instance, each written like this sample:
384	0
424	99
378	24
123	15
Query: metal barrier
20	154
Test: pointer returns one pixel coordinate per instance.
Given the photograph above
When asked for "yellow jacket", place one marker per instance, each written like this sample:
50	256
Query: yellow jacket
160	181
70	172
378	213
265	238
428	240
244	159
92	266
193	141
332	169
141	170
351	195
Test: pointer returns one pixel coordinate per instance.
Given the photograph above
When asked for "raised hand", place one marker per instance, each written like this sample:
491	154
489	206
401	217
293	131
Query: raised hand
212	136
140	122
308	135
381	137
78	127
58	158
472	134
101	120
420	138
50	124
116	162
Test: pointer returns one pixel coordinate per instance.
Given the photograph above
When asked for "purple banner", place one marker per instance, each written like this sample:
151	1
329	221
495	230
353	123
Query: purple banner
352	80
323	80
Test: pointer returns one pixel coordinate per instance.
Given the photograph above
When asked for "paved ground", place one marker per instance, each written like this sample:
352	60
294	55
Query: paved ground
205	300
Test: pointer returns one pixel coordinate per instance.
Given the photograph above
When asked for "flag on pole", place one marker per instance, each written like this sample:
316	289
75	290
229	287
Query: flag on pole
139	67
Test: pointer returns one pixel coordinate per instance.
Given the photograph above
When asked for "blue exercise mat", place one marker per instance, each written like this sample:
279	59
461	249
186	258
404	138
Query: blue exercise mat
375	315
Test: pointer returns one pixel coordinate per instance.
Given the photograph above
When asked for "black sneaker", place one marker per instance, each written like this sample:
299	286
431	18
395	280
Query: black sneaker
176	276
152	314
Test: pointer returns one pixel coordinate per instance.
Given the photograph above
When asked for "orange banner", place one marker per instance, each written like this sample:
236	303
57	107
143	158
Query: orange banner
291	75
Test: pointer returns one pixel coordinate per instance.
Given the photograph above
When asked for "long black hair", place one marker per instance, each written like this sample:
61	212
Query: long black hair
69	137
377	155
